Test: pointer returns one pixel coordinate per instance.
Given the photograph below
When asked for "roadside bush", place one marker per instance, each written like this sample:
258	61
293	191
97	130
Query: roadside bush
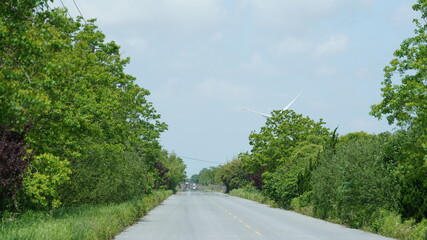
232	175
354	182
302	204
281	186
107	173
292	178
45	174
391	224
407	151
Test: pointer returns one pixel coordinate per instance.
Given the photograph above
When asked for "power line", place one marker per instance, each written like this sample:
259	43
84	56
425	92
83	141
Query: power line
200	160
78	9
66	9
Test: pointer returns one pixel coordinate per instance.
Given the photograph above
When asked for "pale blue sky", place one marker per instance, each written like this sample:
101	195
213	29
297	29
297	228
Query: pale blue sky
205	60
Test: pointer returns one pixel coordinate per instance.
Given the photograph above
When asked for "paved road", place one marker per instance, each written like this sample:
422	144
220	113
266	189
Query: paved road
202	215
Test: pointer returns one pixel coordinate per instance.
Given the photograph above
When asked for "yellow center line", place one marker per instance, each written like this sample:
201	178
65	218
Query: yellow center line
235	217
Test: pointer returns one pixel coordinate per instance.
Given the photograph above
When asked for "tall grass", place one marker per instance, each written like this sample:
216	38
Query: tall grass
392	225
252	194
83	222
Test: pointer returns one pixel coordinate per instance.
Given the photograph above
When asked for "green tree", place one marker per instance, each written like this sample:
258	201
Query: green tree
66	87
404	103
29	37
232	175
207	176
292	178
278	140
195	178
171	170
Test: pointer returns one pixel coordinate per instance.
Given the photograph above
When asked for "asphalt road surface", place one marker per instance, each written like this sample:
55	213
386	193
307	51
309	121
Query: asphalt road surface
199	215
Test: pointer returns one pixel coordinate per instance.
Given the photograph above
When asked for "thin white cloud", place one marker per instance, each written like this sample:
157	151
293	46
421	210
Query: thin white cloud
168	89
192	14
403	15
256	64
288	13
298	46
292	46
223	90
319	105
138	44
182	15
180	64
326	70
256	60
336	43
216	37
298	15
361	72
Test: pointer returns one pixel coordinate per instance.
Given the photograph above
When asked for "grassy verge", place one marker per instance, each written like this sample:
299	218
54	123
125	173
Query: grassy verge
83	222
252	194
386	223
391	225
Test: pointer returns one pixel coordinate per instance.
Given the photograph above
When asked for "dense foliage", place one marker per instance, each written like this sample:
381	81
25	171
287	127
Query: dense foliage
355	181
278	144
206	176
75	128
284	149
171	170
232	175
405	103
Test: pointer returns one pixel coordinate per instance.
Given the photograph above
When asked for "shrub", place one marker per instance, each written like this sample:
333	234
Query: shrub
354	182
302	204
44	175
420	231
390	224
